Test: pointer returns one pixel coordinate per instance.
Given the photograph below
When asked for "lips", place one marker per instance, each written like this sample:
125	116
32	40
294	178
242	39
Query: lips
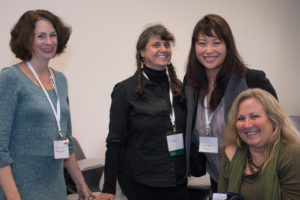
251	133
162	56
48	50
210	59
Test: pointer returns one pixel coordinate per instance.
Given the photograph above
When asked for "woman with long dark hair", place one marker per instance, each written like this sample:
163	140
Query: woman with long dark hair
215	75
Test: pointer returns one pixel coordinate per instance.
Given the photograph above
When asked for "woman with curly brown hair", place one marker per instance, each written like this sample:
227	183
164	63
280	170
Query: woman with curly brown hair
35	129
145	148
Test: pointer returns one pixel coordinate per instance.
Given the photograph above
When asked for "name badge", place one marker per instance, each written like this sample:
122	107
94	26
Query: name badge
219	196
61	149
208	144
175	144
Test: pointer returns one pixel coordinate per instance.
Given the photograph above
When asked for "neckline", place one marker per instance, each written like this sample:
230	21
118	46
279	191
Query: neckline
38	86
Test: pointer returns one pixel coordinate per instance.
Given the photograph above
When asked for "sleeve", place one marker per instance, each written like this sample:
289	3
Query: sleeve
224	172
289	173
64	80
258	79
8	105
69	134
69	125
118	127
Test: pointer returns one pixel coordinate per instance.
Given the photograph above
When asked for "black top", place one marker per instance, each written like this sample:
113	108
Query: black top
196	164
258	79
137	142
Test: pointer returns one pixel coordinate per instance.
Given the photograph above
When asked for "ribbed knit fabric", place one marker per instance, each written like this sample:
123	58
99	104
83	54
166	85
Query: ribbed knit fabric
27	131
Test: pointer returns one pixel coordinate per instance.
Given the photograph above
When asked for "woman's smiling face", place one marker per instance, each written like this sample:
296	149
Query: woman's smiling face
157	53
45	40
210	51
253	124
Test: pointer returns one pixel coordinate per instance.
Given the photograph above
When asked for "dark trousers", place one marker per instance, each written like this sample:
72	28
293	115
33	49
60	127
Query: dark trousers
214	185
137	191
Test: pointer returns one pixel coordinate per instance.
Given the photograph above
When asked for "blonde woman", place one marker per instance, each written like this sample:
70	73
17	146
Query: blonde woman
261	149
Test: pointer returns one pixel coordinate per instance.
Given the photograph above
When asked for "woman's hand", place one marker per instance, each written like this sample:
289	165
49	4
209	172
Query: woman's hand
105	196
84	193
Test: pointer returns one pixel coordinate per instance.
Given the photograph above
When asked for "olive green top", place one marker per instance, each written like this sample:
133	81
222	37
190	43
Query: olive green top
288	171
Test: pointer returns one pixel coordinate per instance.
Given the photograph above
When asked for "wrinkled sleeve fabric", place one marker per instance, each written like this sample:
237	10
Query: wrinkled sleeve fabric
224	173
8	104
69	125
258	79
69	136
118	128
289	173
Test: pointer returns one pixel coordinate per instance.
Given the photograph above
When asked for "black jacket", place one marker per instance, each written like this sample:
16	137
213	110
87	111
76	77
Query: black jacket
196	161
137	131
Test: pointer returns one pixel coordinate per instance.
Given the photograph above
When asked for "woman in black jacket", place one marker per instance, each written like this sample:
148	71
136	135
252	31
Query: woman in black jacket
215	76
145	148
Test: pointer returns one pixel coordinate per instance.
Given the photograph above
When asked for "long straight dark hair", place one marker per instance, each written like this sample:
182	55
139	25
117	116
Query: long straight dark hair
196	76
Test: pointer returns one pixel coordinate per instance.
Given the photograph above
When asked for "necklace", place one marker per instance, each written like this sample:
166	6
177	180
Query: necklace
252	166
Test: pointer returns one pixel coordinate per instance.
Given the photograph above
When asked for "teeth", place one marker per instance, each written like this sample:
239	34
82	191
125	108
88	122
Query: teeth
210	57
251	133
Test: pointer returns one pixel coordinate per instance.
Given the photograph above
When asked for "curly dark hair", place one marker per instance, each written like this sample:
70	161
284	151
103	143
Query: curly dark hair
22	34
176	85
196	75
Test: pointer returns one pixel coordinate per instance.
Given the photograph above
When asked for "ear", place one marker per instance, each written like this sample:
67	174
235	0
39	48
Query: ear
142	53
273	125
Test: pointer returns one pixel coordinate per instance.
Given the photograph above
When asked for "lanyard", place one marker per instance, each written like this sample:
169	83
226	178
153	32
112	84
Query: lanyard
57	112
172	114
207	119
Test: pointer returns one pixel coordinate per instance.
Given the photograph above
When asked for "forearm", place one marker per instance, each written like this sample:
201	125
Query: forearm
73	168
8	184
71	165
112	160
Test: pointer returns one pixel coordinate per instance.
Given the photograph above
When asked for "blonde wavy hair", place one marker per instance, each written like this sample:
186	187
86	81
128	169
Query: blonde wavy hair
283	131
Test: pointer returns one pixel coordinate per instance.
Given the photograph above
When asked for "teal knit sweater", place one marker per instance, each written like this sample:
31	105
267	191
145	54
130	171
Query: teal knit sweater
27	131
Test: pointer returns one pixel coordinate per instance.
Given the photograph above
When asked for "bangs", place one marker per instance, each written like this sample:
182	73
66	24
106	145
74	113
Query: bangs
163	34
208	27
166	36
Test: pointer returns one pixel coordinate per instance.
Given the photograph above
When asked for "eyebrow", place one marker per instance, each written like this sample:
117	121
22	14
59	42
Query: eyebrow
204	38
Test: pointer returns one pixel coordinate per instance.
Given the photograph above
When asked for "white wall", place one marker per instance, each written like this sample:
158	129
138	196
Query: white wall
101	50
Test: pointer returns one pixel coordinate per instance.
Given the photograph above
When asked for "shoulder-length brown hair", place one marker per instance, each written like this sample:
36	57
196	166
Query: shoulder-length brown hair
195	73
22	34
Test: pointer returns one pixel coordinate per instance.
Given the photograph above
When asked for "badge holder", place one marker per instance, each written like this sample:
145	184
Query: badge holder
175	143
208	145
61	149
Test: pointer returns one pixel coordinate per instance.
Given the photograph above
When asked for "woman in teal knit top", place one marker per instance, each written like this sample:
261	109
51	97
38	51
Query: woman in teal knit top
35	127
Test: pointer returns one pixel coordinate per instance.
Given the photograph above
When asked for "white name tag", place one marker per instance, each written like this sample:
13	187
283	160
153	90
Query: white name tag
175	144
61	149
208	144
219	196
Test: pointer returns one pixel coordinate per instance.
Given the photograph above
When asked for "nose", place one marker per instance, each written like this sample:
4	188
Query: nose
247	123
48	40
209	48
163	48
